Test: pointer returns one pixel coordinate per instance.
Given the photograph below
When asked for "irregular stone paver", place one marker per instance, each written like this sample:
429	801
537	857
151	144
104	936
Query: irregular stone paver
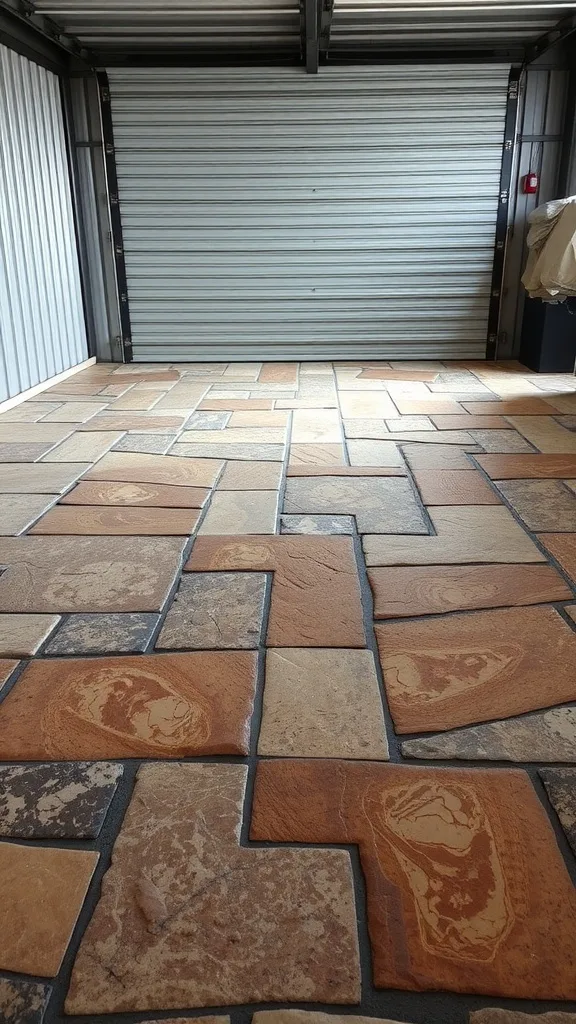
250	452
56	801
366	405
510	407
441	673
17	511
545	433
244	512
374	453
250	476
23	1002
380	504
74	412
541	504
7	666
547	736
313	1017
83	447
137	494
103	634
354	471
438	456
258	418
561	788
501	441
316	454
494	1016
156	469
563	547
235	435
465	882
87	574
42	894
469	422
454	487
181	896
316	598
428	590
208	420
322	703
151	423
523	467
157	444
316	524
216	610
111	520
22	635
40	477
159	705
316	426
23	452
32	433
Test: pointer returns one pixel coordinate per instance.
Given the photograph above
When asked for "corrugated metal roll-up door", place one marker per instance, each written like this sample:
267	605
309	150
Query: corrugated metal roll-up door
271	214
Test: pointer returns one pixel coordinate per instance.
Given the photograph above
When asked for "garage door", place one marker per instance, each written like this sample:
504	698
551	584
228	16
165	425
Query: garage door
270	214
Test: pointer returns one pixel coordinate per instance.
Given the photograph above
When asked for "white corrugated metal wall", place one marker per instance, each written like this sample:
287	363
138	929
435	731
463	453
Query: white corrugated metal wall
269	214
42	328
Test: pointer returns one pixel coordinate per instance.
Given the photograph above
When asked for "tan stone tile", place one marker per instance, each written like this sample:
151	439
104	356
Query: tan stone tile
316	454
316	426
364	405
230	404
182	895
464	533
469	422
367	429
524	467
43	893
22	635
17	511
83	447
183	396
563	548
374	453
318	402
132	467
32	432
87	574
256	418
322	703
279	373
220	610
400	374
112	520
438	456
512	407
74	412
236	435
429	406
250	476
571	611
39	478
313	1017
147	495
410	423
295	470
140	424
454	487
27	412
545	434
492	1016
241	512
134	399
147	705
27	452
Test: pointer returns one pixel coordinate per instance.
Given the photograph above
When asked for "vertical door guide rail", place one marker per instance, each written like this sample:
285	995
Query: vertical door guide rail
502	216
115	218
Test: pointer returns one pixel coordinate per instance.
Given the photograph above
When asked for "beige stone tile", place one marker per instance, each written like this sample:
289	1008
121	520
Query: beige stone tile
43	433
27	452
438	456
237	435
250	476
134	467
183	396
316	455
135	399
22	635
255	418
367	429
27	412
410	423
243	512
428	406
322	703
306	403
545	434
313	1017
17	511
379	405
39	478
459	437
316	426
374	453
83	447
75	412
493	1016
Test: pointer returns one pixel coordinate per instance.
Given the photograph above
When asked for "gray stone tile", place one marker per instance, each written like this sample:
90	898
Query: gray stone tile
561	788
104	634
541	504
501	441
22	1002
17	511
316	524
257	452
207	421
157	444
56	801
218	610
15	452
380	504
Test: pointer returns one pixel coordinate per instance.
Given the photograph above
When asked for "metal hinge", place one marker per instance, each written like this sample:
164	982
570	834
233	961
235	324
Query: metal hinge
504	196
513	91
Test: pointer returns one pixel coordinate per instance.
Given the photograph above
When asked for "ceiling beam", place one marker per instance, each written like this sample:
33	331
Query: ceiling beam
561	31
25	13
310	34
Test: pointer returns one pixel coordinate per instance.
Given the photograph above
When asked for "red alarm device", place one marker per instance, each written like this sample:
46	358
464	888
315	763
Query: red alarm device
530	183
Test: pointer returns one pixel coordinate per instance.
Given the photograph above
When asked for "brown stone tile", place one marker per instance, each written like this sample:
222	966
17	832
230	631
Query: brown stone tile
510	407
7	666
250	476
469	422
40	478
443	673
493	1016
465	882
438	456
346	471
523	467
155	424
385	374
454	487
182	896
146	495
23	1002
131	467
571	611
216	610
17	511
541	504
315	592
87	574
563	548
113	520
322	703
230	404
22	635
148	705
279	373
430	590
316	454
42	894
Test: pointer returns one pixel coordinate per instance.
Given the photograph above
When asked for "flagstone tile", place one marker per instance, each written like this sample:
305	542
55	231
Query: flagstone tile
171	496
21	636
363	405
429	406
230	404
401	374
367	429
183	396
431	590
250	476
317	455
443	673
25	453
322	703
438	456
74	412
208	420
279	373
523	467
153	424
216	610
147	705
235	436
241	512
380	504
7	666
87	574
545	736
465	882
182	895
115	520
410	423
103	634
313	1017
27	412
510	407
541	504
33	433
43	890
137	400
494	1016
454	487
147	444
317	524
316	426
23	1002
501	441
84	447
464	533
447	437
17	511
571	611
257	418
374	453
560	785
316	599
156	469
545	433
236	452
354	471
217	392
316	402
469	422
56	801
563	548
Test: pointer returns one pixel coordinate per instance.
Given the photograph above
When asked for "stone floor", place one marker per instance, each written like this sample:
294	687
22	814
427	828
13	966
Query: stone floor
288	695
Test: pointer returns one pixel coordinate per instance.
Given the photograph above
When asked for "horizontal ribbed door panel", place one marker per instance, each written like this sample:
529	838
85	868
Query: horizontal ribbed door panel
271	214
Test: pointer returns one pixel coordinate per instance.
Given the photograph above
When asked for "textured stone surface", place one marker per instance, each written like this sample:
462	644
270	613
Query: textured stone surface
74	412
353	471
158	705
374	453
111	520
545	433
454	487
42	434
313	1017
56	801
546	736
501	441
17	511
235	435
366	405
83	447
541	504
103	634
560	785
22	635
23	1002
40	477
87	574
494	1016
151	423
316	455
250	476
316	524
182	896
155	495
7	666
257	418
429	590
216	610
510	407
279	373
232	512
316	426
380	504
322	703
205	452
464	533
523	467
207	421
23	452
438	456
442	673
156	469
563	547
42	893
316	598
229	404
469	422
157	444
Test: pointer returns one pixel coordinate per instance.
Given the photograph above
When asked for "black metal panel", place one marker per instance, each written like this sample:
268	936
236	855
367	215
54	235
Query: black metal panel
561	31
310	34
502	215
115	218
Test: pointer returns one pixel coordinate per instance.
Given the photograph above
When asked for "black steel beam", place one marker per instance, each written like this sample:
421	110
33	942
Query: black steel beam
326	13
24	12
310	34
561	31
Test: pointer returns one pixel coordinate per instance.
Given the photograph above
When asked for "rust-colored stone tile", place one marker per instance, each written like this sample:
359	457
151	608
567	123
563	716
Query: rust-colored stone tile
156	469
384	374
42	893
469	422
7	666
102	520
443	673
465	882
346	471
146	495
316	598
279	373
563	547
454	487
524	467
151	705
430	590
316	454
187	917
511	407
230	404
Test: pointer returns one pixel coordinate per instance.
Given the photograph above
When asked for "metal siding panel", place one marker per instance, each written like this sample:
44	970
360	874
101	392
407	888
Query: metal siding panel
41	318
271	215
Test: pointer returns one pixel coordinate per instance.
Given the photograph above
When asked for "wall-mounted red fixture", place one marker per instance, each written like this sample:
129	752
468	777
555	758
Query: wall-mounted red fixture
530	183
